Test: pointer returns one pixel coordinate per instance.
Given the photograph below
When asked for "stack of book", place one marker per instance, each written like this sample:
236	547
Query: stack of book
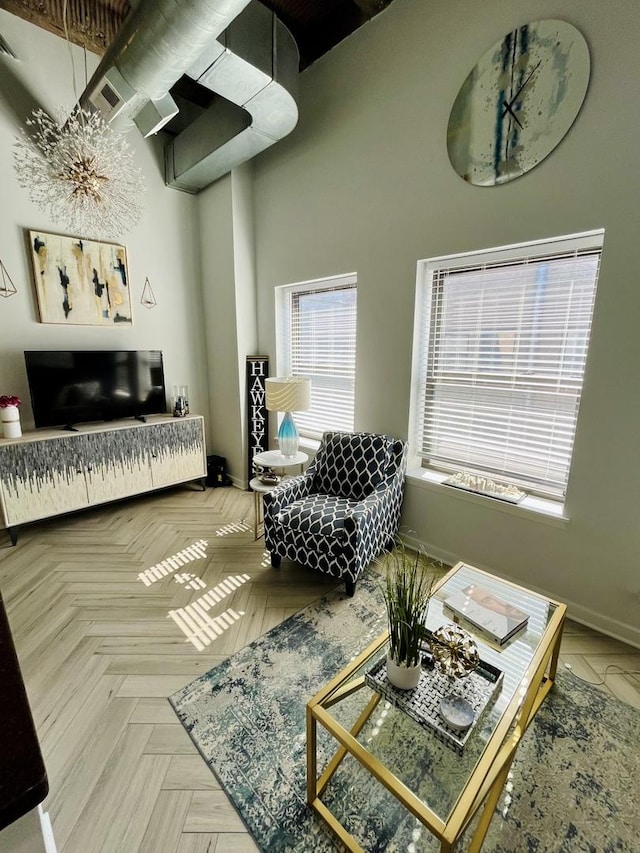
488	615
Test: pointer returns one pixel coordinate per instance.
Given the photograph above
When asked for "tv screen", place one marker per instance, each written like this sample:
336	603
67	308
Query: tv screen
77	387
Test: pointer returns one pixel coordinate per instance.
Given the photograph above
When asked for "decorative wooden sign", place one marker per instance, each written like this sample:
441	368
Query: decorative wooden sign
257	414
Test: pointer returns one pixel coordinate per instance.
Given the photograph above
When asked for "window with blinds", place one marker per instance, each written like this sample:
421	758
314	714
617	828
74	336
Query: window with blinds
503	341
316	337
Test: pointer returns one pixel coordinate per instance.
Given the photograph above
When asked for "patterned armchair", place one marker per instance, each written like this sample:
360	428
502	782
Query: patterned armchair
344	510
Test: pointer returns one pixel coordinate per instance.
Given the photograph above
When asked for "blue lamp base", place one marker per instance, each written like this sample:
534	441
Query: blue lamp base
288	436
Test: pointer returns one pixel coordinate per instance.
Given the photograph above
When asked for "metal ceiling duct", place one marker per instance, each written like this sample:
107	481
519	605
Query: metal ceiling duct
4	48
159	40
163	39
254	68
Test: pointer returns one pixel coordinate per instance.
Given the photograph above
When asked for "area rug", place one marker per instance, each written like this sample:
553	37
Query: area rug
573	786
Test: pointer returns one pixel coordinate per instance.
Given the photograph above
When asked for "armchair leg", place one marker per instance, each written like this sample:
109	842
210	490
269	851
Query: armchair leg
350	586
275	560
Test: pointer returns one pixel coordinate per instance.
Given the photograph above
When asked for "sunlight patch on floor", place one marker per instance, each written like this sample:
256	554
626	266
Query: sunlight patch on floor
197	551
234	527
195	621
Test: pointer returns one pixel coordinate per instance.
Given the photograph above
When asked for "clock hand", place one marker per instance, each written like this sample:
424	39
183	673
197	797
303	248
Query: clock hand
508	106
533	70
507	109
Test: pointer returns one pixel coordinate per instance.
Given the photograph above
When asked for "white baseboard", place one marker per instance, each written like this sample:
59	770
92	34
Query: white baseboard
435	553
629	634
47	831
576	612
31	833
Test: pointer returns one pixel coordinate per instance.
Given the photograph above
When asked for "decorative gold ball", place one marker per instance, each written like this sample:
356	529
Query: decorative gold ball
455	653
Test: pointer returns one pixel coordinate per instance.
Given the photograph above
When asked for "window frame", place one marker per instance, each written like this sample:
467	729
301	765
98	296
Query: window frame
427	270
284	325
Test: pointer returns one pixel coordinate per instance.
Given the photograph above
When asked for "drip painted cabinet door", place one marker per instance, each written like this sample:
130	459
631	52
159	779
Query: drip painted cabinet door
177	452
117	465
42	478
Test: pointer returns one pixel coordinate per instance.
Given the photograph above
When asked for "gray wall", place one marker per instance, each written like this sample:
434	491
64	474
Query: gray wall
364	183
228	281
164	246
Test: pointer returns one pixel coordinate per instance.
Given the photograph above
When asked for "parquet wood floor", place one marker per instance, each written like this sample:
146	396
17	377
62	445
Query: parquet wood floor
100	654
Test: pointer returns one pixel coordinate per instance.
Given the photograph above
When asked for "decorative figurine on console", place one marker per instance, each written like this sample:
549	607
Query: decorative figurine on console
181	397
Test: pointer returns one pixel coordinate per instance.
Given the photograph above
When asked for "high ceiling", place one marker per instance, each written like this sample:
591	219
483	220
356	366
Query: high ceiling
316	25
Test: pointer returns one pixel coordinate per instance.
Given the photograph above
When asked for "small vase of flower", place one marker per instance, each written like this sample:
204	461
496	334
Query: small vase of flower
10	416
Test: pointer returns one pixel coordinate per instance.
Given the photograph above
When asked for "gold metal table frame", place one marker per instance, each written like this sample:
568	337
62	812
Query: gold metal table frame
483	787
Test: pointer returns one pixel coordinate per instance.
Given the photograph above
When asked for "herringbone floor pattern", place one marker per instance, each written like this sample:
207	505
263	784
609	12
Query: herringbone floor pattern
88	598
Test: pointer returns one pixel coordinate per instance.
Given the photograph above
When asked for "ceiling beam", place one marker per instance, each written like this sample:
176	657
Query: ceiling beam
90	24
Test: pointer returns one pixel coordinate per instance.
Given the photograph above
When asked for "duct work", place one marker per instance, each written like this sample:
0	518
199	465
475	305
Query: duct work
239	51
4	48
159	40
254	67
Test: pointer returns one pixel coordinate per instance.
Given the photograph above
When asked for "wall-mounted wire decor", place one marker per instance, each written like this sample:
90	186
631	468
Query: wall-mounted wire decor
148	298
7	287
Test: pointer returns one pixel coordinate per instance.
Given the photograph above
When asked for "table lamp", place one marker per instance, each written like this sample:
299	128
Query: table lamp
288	394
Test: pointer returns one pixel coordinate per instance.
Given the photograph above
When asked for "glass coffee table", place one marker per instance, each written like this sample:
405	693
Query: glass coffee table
355	735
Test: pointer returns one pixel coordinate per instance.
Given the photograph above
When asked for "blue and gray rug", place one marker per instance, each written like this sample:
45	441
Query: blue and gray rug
573	785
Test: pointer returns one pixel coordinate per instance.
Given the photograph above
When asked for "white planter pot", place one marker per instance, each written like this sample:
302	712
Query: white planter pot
401	676
10	417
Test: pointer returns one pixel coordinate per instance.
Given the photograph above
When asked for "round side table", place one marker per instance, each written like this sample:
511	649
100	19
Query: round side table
275	459
270	459
259	488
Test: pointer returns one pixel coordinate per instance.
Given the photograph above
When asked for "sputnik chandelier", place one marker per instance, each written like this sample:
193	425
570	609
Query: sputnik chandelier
80	171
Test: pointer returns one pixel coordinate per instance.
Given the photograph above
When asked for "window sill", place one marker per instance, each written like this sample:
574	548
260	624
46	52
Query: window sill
309	445
542	509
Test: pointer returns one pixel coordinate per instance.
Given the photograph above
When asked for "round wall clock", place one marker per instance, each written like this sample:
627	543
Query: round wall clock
518	102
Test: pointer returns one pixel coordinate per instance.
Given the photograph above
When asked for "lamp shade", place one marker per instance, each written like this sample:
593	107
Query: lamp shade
288	393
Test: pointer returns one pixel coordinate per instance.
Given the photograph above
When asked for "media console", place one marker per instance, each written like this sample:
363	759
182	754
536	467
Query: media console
49	472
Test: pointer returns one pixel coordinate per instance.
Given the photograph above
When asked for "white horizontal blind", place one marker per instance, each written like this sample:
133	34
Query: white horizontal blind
505	345
318	339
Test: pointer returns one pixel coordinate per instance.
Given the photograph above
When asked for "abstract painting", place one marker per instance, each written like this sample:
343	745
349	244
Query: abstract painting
80	282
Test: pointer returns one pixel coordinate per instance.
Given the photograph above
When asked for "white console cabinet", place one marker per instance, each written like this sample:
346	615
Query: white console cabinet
49	472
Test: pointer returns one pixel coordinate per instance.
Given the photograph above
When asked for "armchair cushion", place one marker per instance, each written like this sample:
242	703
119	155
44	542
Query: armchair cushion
322	515
351	465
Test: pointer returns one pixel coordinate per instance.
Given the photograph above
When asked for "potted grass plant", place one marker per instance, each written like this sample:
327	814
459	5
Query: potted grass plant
406	587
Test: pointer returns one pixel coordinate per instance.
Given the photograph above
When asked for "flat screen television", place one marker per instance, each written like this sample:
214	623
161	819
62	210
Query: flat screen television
75	387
